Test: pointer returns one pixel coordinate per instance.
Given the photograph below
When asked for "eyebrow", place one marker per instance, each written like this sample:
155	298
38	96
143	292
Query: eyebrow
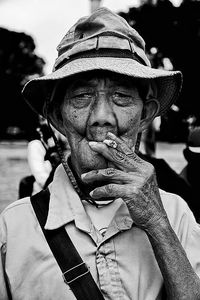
94	81
82	83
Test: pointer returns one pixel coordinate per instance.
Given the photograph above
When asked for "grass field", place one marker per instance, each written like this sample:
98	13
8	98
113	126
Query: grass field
14	166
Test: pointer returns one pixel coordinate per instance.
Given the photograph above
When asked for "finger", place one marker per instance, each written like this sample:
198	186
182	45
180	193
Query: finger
110	174
110	154
110	143
118	158
118	144
108	191
122	147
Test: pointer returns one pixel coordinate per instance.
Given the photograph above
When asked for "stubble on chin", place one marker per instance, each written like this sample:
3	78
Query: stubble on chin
93	161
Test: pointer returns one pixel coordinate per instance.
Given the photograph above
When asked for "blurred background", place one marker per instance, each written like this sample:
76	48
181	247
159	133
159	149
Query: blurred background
29	33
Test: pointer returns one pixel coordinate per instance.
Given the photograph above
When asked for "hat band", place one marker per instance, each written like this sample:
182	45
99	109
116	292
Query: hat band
101	53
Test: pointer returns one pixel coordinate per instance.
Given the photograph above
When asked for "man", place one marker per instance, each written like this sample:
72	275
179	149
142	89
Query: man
134	237
190	172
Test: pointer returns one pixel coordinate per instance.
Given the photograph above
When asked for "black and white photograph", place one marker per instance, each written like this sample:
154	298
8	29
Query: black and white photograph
99	150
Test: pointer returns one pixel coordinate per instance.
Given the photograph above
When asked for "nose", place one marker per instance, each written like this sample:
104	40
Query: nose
102	118
102	112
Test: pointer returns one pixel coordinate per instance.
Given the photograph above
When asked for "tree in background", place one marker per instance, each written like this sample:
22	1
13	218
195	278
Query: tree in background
175	34
18	63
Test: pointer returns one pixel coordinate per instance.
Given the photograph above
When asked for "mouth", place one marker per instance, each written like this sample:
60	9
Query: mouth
99	134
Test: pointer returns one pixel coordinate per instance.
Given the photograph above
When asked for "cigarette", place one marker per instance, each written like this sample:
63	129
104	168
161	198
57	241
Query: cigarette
110	143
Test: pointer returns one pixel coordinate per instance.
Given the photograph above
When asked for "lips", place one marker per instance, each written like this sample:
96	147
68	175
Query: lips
98	134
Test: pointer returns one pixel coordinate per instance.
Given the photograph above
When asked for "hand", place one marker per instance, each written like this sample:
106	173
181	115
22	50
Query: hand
131	179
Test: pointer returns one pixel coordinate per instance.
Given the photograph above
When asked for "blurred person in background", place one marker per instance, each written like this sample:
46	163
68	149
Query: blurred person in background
136	240
190	172
168	179
149	138
42	157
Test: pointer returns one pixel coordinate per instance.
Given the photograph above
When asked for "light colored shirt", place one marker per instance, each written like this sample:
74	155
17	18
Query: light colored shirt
102	216
121	261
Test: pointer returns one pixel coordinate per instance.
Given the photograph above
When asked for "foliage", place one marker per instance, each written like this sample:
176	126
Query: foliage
17	63
175	32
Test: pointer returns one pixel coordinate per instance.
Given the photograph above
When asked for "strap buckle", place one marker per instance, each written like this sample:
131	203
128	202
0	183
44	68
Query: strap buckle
75	272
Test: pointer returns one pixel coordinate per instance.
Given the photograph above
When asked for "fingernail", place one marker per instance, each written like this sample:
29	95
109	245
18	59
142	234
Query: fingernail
83	175
111	134
91	193
92	144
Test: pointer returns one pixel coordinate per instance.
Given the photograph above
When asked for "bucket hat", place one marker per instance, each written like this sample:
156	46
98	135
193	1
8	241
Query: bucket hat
103	41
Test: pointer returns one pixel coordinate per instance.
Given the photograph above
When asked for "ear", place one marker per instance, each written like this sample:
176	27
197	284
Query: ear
150	110
56	120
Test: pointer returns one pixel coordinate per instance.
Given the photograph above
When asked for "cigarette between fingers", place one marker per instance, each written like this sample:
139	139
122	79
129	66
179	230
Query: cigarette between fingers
110	143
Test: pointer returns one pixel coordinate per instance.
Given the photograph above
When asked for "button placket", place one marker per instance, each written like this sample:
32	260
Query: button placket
109	276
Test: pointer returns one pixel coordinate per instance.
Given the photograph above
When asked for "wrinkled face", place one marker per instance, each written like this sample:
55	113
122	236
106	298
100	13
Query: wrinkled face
95	105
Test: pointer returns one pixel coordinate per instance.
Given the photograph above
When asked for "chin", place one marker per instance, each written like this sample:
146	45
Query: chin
94	162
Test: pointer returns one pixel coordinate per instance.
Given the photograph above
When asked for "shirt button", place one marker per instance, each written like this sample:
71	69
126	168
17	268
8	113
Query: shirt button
128	222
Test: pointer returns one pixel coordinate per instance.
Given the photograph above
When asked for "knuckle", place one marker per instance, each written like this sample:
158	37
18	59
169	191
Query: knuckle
119	155
131	155
110	172
109	188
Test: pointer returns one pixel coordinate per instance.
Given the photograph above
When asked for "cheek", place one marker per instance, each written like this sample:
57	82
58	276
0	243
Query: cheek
74	120
129	124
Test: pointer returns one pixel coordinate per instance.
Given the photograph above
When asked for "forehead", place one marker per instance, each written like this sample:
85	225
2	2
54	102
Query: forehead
94	77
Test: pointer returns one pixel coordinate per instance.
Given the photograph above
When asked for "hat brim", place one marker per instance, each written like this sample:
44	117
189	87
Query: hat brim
168	83
194	149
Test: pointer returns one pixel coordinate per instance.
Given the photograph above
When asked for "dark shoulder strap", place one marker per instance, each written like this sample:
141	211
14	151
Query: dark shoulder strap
75	272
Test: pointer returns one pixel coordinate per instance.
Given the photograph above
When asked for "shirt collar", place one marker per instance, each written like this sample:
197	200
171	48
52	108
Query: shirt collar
65	205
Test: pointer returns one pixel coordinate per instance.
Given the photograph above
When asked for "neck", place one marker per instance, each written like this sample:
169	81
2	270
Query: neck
82	189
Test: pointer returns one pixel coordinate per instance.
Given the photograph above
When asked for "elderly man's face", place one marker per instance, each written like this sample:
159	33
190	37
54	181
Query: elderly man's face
95	105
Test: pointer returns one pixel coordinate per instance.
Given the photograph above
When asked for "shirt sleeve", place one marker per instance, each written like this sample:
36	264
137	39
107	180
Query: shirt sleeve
185	226
4	293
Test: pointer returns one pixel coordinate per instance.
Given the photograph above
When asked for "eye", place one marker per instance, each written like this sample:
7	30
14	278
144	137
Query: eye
122	99
81	100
